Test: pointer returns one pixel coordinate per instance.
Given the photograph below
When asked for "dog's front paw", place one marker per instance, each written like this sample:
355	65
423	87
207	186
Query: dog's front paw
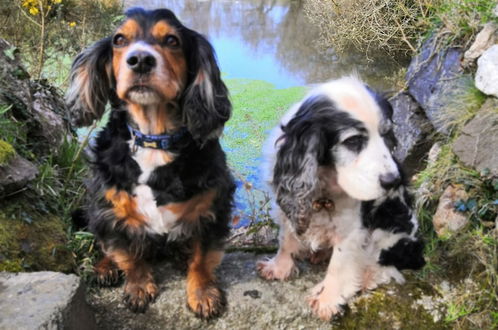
271	270
108	277
138	295
324	303
106	273
206	302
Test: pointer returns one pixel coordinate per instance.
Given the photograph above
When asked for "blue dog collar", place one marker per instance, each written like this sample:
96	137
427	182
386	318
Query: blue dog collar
162	142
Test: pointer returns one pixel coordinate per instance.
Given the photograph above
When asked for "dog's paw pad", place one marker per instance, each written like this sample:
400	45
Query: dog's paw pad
138	296
108	277
269	270
324	305
206	302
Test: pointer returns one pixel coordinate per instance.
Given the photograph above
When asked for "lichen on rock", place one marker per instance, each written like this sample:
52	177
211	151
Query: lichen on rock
7	152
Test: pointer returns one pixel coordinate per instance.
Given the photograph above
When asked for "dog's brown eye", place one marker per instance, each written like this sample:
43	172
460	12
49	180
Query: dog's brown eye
171	41
355	143
119	40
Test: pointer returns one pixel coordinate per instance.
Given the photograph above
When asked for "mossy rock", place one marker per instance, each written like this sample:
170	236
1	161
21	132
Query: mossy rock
393	307
7	152
36	246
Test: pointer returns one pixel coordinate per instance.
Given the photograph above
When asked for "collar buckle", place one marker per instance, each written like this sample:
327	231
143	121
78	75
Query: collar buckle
161	142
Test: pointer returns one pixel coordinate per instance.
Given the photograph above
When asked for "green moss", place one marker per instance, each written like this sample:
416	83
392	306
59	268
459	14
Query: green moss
257	108
392	308
39	245
7	152
13	266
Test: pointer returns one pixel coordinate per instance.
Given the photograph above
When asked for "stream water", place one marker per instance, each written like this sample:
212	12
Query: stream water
269	40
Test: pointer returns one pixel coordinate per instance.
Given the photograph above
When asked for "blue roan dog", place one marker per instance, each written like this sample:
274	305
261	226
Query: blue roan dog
336	185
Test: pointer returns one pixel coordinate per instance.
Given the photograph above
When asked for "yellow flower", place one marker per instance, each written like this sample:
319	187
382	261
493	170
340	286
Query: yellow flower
33	11
56	1
72	24
28	3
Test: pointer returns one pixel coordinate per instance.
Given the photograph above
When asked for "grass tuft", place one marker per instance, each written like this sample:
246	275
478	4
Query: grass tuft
461	104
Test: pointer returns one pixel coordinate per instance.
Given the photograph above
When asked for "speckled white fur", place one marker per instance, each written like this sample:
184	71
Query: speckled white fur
353	265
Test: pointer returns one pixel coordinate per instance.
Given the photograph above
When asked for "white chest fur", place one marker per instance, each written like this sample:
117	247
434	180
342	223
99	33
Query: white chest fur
329	228
159	219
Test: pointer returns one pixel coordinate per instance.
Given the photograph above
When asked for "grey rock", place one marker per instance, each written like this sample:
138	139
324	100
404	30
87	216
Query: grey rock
413	132
16	174
14	80
35	103
487	72
43	300
484	39
477	144
432	77
253	303
48	108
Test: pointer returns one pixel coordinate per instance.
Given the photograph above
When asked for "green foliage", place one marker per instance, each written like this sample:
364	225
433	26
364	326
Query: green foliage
467	259
49	37
461	19
82	244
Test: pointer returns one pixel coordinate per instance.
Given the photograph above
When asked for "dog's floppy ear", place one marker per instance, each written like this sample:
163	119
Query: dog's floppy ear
205	103
90	83
295	177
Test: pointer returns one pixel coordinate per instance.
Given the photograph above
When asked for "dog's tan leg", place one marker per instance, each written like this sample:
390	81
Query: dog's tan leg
204	297
106	272
140	288
282	266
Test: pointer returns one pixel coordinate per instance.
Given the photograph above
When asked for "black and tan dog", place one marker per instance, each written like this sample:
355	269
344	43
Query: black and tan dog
159	174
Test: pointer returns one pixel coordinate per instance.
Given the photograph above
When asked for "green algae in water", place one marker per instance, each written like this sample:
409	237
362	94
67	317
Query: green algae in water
257	108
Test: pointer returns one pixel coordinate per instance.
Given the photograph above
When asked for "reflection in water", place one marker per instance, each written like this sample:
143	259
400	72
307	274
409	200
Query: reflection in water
268	40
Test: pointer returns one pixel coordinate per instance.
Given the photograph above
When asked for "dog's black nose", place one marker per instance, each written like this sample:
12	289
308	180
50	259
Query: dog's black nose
390	180
141	61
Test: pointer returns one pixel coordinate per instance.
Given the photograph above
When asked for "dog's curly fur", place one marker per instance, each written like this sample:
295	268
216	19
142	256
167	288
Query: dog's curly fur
336	185
160	78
